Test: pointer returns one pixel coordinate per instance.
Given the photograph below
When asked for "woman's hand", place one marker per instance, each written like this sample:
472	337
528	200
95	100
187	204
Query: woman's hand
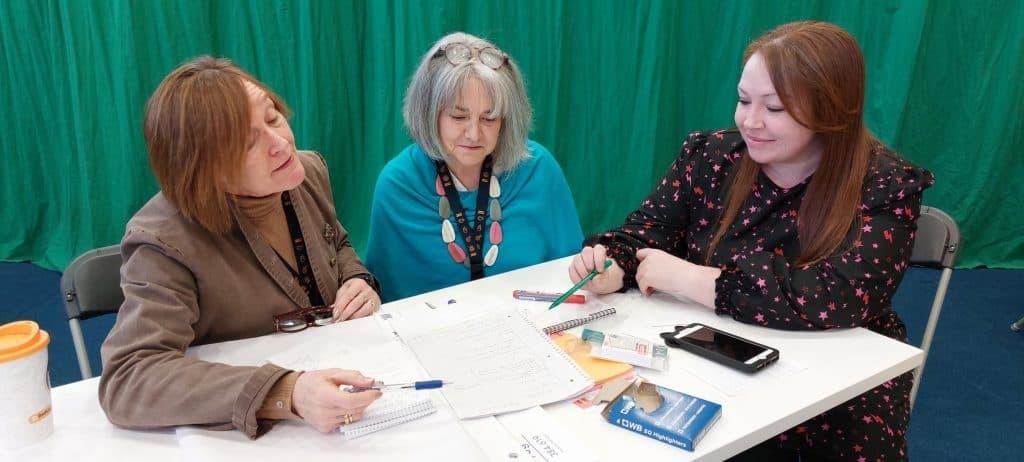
320	401
609	280
664	272
355	299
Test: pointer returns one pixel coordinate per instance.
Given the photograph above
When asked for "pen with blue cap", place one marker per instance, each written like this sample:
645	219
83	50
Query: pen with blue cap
582	283
420	385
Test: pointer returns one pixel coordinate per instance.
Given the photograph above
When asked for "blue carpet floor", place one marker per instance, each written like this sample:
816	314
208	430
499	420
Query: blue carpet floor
969	407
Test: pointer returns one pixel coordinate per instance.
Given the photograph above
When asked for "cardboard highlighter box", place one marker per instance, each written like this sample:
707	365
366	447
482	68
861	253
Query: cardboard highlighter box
663	414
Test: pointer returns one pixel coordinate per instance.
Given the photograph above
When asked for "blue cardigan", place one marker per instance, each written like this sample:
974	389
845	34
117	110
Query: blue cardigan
405	249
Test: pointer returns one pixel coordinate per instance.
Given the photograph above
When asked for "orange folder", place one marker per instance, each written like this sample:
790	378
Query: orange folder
599	370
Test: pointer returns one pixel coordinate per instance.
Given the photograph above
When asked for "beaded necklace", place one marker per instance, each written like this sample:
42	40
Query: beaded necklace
450	205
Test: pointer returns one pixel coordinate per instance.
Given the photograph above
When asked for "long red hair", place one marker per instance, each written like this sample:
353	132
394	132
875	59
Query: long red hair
817	69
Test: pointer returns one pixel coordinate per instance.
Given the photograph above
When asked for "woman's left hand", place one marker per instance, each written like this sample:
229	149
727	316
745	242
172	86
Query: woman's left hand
355	299
664	272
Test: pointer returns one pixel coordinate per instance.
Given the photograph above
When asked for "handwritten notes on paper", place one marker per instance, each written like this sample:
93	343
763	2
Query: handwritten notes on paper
363	345
387	362
497	362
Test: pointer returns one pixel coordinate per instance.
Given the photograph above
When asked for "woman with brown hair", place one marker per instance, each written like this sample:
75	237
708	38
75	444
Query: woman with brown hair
241	241
799	218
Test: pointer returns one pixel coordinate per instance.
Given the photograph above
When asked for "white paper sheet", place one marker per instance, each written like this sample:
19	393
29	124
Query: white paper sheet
438	436
537	312
529	435
497	362
543	439
733	382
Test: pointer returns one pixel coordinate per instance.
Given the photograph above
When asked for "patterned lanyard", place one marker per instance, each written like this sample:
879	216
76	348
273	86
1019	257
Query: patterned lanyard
305	272
474	237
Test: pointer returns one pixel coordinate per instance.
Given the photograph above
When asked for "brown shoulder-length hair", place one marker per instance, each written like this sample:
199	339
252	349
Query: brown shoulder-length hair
196	128
817	69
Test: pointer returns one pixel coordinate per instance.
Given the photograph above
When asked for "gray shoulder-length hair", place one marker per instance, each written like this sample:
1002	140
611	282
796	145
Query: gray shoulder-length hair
437	84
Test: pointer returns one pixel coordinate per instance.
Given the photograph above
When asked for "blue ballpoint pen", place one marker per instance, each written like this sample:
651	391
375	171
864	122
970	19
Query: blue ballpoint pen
420	385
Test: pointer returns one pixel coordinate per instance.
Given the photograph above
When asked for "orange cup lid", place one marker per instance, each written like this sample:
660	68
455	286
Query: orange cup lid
21	338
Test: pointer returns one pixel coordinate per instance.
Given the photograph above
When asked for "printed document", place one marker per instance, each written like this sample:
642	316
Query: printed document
497	361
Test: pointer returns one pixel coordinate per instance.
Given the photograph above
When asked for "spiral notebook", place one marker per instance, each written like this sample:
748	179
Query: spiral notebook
566	325
497	360
393	408
600	370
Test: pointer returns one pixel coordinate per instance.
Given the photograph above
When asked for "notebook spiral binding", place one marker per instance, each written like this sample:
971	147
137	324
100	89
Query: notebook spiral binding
566	325
555	348
392	413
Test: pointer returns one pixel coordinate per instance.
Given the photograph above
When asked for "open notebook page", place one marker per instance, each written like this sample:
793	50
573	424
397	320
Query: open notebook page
537	312
350	345
496	360
388	362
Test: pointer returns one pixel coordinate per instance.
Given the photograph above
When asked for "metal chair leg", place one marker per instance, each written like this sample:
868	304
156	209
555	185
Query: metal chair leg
80	349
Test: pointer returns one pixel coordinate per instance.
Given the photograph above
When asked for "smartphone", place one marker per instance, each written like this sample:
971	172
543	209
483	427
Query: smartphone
722	347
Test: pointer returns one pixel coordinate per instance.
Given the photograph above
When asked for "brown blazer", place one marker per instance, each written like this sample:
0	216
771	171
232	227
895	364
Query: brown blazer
184	286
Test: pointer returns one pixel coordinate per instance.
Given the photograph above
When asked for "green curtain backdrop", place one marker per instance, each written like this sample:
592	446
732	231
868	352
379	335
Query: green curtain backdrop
616	86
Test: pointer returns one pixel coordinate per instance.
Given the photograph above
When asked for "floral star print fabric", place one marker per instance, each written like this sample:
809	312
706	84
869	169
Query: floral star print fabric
760	285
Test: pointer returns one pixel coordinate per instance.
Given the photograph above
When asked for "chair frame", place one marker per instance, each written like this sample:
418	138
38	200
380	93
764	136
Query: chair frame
90	287
936	245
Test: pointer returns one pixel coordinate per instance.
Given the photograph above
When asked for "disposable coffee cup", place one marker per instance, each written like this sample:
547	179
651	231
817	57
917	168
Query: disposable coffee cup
25	412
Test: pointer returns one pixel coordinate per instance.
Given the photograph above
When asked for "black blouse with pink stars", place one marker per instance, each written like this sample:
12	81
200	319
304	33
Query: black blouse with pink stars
759	284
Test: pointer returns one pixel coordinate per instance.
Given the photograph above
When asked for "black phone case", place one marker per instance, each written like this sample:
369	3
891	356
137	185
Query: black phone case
670	340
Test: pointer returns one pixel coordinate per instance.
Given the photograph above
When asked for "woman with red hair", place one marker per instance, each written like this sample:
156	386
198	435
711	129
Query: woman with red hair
798	218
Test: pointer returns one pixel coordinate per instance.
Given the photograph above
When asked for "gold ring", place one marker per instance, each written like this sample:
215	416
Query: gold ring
348	419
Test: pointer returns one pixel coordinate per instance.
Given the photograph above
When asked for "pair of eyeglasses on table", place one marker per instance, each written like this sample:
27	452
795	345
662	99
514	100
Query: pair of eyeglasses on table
297	320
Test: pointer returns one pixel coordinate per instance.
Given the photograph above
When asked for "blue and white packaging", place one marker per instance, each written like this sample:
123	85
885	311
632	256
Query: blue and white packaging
663	414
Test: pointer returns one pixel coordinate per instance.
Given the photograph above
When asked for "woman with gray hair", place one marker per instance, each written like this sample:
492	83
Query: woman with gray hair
472	196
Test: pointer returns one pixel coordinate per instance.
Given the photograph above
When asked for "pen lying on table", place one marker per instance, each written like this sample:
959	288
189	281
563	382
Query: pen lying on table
421	385
547	296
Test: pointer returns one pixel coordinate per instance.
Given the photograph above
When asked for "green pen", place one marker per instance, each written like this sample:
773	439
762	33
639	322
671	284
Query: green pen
583	282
